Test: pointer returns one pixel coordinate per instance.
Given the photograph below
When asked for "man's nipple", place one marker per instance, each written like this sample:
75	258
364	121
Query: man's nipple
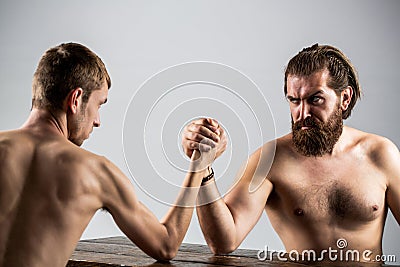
298	212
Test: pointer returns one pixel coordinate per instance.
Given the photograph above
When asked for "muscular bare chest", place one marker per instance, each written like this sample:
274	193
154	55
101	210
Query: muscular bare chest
330	192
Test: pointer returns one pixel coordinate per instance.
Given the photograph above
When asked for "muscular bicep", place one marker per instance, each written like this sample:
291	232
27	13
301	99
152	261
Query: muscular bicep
131	216
248	198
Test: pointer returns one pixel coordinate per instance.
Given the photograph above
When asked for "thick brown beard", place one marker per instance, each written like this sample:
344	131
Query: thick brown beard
320	138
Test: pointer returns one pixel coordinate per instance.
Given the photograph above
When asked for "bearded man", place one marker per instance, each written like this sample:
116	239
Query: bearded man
326	182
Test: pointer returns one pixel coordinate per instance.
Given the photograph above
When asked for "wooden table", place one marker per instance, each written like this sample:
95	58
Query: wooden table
120	251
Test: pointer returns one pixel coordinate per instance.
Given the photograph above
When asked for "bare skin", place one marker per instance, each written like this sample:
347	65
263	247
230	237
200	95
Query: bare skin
310	201
50	189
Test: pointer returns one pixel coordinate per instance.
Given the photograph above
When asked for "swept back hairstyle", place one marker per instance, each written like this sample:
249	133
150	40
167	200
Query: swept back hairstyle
64	68
320	57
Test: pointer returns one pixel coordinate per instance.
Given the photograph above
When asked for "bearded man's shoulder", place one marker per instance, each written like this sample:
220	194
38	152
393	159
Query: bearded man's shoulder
378	149
284	145
369	141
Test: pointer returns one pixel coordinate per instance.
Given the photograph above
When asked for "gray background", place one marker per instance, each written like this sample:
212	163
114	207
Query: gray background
137	39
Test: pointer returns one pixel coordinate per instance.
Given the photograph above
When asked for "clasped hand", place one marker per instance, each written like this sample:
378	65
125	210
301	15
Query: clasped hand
203	140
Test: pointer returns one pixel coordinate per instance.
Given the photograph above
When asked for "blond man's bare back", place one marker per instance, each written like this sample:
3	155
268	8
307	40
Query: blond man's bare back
49	191
50	188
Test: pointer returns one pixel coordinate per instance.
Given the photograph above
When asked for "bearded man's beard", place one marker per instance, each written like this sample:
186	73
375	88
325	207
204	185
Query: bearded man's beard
320	138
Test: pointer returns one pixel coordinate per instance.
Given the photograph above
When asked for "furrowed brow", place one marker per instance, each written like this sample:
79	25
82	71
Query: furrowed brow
289	97
319	92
